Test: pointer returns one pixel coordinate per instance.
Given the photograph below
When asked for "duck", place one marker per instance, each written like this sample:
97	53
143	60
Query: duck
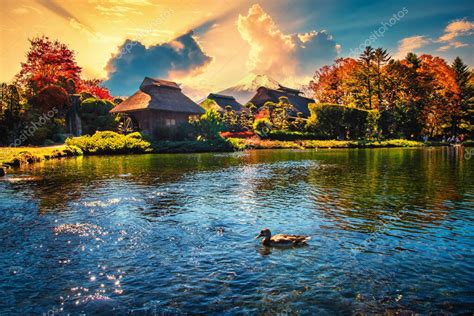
281	240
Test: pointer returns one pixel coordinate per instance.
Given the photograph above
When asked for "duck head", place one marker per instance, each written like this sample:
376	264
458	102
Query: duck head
264	233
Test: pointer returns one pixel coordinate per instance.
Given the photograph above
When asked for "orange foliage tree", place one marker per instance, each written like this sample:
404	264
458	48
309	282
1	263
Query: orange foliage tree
441	109
334	84
416	95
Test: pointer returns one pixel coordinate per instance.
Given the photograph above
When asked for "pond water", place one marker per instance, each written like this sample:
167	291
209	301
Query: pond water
391	229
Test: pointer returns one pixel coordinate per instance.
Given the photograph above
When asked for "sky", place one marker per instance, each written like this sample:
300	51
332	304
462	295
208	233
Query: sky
210	45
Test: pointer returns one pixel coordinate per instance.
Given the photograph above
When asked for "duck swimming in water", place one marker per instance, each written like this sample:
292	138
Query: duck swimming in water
281	239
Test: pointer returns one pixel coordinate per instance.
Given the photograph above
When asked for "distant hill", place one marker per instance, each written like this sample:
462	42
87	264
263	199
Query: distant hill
246	88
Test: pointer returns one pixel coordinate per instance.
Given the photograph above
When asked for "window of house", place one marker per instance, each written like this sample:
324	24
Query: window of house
170	122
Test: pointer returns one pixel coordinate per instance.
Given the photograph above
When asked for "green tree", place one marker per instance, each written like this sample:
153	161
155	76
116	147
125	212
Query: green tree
208	126
14	112
366	60
464	79
95	116
381	57
231	120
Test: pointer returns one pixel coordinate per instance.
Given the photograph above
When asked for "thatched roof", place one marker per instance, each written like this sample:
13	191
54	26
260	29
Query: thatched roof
289	90
157	94
265	94
224	100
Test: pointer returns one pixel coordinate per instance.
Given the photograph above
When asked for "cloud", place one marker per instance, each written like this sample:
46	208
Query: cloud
277	54
410	44
57	9
117	10
180	57
454	44
20	10
453	31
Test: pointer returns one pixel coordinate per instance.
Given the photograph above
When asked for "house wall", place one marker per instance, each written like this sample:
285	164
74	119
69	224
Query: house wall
149	120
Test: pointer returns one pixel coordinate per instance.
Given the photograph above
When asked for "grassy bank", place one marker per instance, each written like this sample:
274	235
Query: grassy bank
17	156
253	143
109	143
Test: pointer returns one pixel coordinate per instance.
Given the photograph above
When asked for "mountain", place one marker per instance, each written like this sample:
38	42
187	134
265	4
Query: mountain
246	88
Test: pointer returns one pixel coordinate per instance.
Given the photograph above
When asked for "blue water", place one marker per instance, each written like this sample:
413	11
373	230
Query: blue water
392	231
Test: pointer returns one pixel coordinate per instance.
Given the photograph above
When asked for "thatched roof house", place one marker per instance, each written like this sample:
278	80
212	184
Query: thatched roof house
158	103
299	102
221	102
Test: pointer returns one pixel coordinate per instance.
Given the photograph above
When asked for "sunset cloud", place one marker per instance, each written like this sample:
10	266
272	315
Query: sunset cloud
456	29
278	54
181	57
453	31
410	44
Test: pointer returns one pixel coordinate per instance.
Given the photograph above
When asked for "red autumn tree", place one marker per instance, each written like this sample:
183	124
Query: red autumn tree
95	88
51	98
49	63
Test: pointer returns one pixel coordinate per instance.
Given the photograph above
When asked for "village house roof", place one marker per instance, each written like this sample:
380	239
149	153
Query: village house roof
225	100
157	94
299	102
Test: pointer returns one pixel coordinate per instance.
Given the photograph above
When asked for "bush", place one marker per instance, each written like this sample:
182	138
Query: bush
40	136
290	135
111	143
399	123
333	121
255	143
95	116
208	126
262	127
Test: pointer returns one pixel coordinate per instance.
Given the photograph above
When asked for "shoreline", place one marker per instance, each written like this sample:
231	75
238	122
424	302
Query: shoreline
15	157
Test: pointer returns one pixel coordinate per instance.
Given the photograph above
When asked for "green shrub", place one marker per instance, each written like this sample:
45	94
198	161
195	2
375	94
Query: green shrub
253	143
262	127
399	122
95	116
290	135
111	143
333	121
40	136
208	126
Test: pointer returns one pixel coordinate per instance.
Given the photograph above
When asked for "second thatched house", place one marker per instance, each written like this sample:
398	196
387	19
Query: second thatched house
158	103
299	102
219	102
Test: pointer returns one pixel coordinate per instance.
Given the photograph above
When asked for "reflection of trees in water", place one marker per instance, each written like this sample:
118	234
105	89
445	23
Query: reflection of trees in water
370	185
379	186
69	180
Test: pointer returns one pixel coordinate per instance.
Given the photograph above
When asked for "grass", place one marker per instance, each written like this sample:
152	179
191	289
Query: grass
254	143
18	156
111	143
